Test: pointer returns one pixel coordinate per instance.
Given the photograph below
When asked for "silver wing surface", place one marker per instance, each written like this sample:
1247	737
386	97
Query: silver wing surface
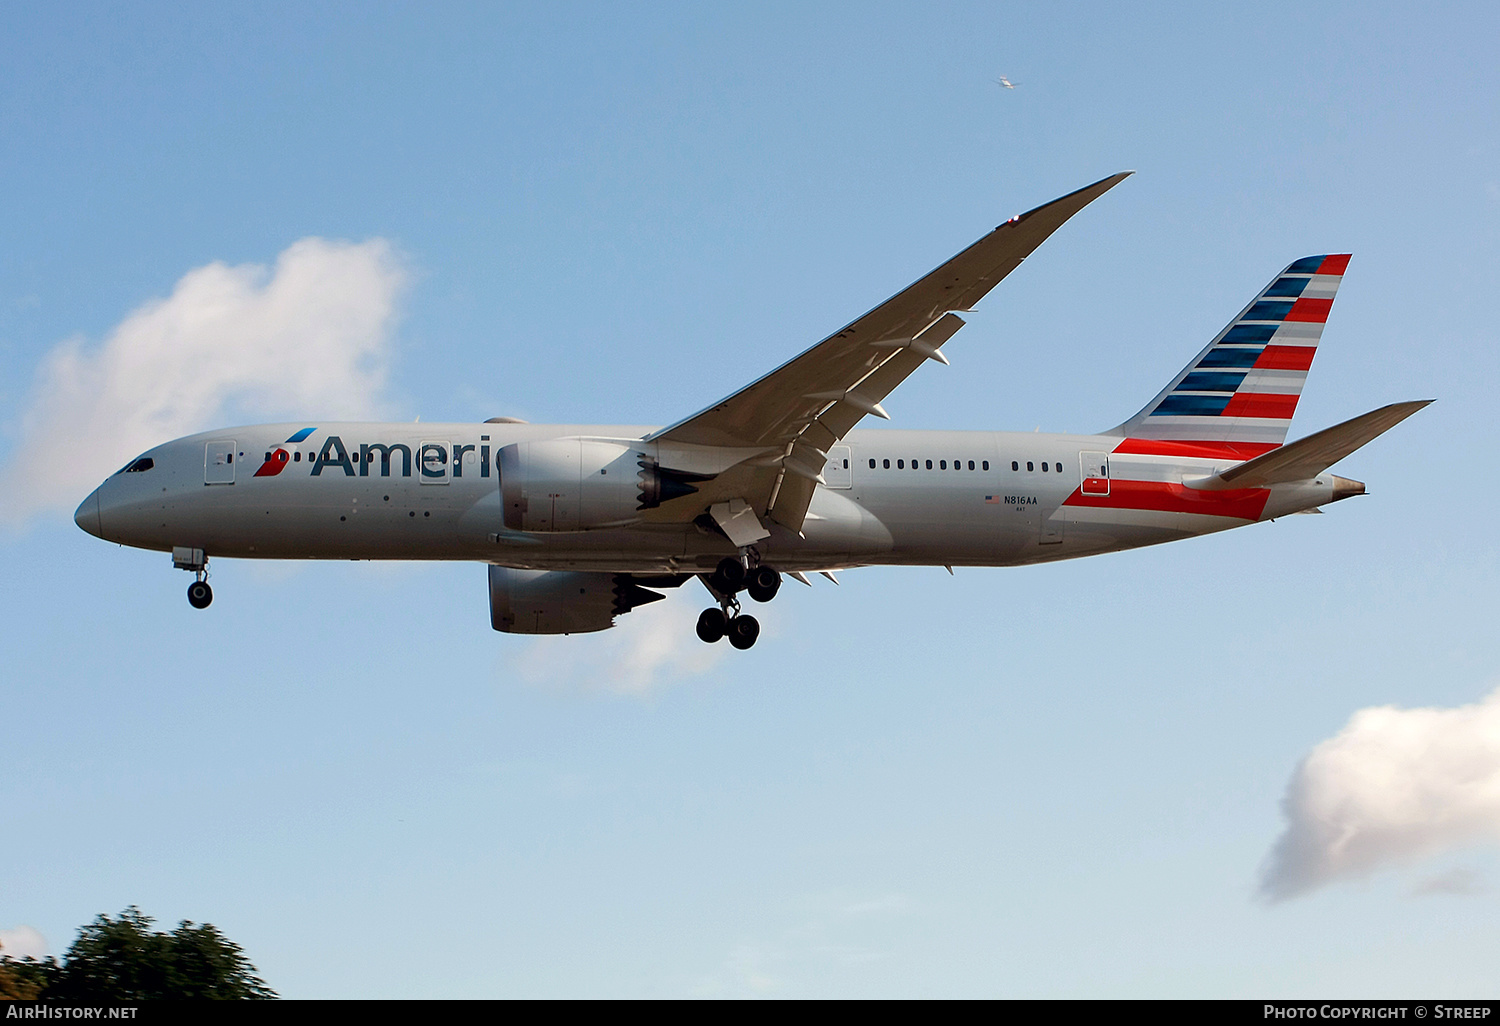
782	425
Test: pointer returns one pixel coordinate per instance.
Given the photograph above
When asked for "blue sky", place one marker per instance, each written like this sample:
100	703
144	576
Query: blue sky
1052	781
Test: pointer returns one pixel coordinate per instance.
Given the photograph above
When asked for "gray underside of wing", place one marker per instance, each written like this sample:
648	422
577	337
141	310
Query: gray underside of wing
793	414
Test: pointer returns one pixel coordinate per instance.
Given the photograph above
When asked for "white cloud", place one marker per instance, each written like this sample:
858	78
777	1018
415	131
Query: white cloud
1393	787
22	942
307	338
647	649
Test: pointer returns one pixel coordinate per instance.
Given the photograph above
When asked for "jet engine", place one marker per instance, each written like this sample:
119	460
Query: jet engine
567	484
562	601
581	484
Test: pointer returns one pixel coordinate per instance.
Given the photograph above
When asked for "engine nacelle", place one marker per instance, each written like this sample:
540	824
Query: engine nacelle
567	484
582	484
561	601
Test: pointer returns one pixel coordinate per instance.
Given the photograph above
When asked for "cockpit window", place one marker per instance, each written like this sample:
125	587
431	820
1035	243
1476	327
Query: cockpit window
139	466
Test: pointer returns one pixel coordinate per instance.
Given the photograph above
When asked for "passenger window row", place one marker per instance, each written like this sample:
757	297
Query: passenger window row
1048	466
941	464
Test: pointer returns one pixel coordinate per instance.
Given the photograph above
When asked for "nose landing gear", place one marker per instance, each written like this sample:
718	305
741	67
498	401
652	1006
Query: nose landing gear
199	593
729	577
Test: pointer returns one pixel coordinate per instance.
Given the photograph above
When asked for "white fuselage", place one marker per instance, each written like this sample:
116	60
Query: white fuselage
432	491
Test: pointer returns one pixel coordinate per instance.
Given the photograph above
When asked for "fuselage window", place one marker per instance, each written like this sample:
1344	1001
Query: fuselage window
986	464
1059	467
846	464
929	464
887	464
297	456
1014	465
900	464
1030	465
971	464
942	464
872	464
1044	466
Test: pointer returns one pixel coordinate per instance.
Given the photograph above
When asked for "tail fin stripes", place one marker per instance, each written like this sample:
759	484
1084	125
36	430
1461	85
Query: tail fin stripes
1241	391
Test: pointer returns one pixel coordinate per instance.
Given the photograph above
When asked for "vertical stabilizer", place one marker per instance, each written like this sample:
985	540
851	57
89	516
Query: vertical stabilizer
1241	391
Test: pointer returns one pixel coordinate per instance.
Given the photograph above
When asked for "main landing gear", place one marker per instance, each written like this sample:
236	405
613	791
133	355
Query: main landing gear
727	621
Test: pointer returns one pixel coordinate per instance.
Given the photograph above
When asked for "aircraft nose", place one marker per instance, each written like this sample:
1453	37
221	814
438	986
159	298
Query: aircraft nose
87	516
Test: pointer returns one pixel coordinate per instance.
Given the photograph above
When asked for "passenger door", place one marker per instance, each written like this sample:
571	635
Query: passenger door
837	471
218	462
1095	473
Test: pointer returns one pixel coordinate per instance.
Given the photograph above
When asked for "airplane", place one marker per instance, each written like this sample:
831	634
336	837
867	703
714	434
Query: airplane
579	524
1005	83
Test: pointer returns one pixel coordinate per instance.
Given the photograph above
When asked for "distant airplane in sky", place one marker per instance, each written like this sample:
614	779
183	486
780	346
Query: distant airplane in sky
1003	81
582	523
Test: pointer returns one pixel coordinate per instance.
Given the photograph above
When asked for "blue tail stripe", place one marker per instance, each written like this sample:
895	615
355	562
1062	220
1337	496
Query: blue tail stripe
1269	310
1219	357
1191	406
1249	333
1210	381
1307	265
1288	287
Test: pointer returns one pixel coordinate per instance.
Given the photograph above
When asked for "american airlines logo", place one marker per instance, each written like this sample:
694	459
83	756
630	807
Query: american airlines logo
431	458
276	461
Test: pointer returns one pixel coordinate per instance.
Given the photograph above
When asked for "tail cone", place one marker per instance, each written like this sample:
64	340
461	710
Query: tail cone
1343	488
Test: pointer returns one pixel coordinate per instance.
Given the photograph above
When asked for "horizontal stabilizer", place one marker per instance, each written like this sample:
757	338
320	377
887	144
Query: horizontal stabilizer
1308	457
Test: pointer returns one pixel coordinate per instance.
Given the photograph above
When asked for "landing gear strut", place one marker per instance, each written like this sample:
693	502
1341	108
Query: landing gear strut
199	593
728	578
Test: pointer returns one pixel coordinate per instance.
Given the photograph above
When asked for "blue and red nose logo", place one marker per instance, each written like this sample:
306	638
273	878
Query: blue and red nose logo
276	461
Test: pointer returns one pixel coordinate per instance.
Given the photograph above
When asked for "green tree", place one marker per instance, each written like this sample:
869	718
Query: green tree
123	959
24	979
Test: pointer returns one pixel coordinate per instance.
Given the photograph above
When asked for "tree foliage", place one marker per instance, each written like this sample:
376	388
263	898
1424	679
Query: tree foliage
24	979
123	959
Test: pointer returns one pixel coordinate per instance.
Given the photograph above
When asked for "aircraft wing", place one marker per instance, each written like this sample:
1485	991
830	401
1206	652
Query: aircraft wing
793	414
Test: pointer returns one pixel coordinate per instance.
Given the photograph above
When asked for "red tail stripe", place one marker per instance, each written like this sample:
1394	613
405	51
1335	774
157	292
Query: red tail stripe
1169	497
1271	405
1334	264
1310	310
1205	450
1286	358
